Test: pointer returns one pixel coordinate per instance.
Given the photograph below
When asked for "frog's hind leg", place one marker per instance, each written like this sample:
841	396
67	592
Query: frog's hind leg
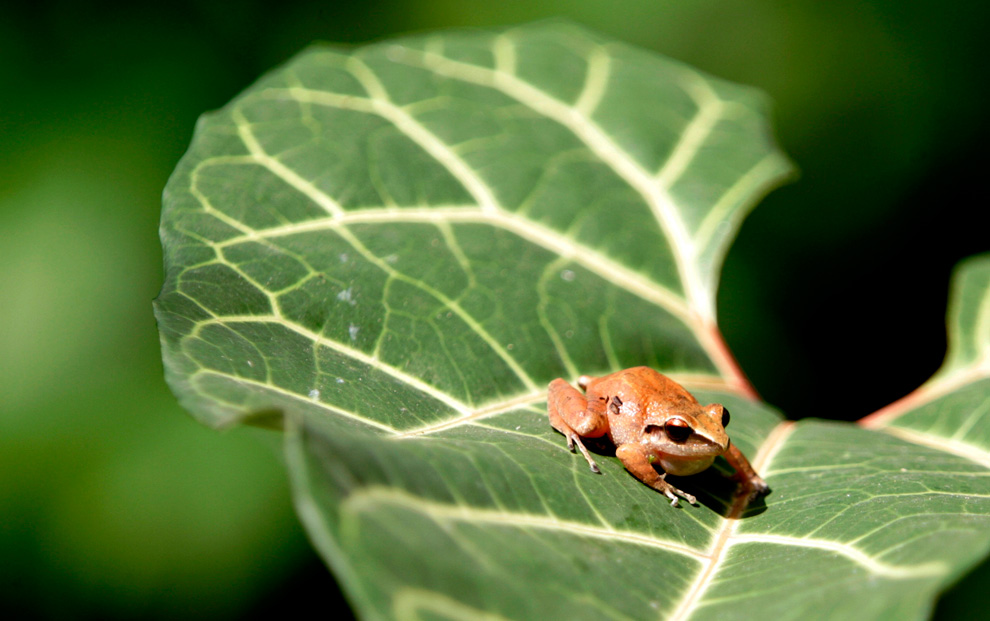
572	415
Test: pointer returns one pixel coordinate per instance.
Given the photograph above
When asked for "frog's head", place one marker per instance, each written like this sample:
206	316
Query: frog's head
687	442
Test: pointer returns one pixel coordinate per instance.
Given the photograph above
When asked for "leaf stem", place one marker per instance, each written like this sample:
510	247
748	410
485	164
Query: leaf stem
713	342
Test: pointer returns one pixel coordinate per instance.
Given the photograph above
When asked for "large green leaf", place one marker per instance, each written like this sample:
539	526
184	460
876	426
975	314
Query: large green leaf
389	253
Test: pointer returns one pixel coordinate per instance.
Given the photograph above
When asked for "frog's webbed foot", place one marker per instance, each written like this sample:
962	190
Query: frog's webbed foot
638	464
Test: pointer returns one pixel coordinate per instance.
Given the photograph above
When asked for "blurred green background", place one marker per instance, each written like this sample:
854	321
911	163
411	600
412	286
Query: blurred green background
114	503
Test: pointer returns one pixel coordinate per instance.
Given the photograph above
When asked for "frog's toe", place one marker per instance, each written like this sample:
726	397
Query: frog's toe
674	493
753	485
758	488
574	439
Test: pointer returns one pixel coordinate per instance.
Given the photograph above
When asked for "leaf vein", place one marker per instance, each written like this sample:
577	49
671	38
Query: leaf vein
564	246
286	393
592	135
356	354
866	561
370	499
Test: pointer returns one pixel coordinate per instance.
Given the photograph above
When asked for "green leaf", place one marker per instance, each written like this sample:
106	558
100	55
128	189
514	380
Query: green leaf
389	253
951	411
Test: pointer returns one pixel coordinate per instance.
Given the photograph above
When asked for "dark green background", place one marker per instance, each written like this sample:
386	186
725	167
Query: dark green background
113	503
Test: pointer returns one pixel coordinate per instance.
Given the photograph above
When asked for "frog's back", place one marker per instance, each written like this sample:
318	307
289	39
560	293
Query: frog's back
650	384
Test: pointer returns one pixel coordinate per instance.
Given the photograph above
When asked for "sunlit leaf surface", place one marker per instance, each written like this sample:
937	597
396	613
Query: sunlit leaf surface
389	252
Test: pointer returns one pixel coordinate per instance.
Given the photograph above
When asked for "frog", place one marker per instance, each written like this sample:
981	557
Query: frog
654	422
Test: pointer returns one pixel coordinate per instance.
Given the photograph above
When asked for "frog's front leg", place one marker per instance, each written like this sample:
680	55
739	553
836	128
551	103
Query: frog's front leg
637	461
572	415
750	482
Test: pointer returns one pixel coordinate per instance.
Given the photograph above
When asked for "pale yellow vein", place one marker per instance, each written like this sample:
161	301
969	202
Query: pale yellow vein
956	447
867	562
371	499
350	352
593	261
315	194
487	411
410	604
599	68
698	130
273	164
412	128
453	305
285	393
761	174
601	144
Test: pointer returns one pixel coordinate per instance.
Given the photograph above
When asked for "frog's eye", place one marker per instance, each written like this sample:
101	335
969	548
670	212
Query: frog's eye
725	416
677	430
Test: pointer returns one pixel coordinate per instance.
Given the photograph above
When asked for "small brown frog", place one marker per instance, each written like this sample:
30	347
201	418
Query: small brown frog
652	421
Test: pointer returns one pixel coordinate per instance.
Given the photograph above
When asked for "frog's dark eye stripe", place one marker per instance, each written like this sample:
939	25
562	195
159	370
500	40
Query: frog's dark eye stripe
677	430
725	416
